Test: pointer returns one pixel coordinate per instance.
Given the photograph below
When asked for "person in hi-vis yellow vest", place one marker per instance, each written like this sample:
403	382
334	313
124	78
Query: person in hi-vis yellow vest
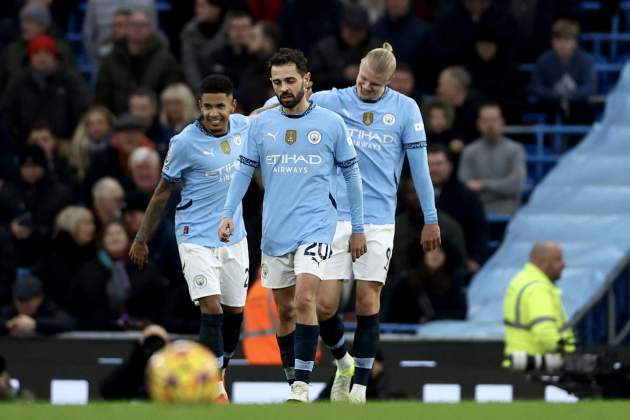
534	317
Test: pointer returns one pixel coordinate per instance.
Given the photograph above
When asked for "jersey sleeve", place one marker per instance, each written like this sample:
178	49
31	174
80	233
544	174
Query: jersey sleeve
326	99
250	155
413	134
345	155
175	162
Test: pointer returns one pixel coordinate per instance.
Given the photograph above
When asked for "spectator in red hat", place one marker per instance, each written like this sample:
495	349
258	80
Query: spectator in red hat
48	91
35	20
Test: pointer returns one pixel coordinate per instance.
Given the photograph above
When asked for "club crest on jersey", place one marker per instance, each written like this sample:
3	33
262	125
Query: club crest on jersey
265	271
238	140
314	137
290	136
225	147
368	118
389	119
167	161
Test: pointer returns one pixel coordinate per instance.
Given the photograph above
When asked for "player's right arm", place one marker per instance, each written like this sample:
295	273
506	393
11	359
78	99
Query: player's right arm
175	164
139	251
248	162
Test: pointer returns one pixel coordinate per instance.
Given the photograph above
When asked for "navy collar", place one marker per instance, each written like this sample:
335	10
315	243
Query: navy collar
311	106
200	126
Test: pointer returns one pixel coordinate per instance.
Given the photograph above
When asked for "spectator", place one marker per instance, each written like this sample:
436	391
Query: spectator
335	59
120	27
254	88
141	60
494	72
35	20
178	107
114	160
463	204
454	31
305	22
32	311
73	245
41	135
200	31
163	246
145	168
454	88
404	81
433	290
564	77
229	55
48	90
438	123
111	293
92	136
8	259
108	198
29	202
143	104
99	23
403	30
128	381
493	165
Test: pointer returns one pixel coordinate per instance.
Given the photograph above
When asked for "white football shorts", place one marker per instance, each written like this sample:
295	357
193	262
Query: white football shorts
371	266
216	271
281	272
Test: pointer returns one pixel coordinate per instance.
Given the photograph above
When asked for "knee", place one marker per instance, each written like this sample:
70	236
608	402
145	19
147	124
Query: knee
326	308
304	302
367	302
286	312
210	305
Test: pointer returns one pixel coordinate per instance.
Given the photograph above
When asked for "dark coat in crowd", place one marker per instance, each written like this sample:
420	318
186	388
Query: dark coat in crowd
57	268
122	73
49	317
37	205
8	259
465	206
407	35
15	59
59	98
93	308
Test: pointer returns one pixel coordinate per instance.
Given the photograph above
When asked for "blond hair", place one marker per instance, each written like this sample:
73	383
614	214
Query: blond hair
182	93
382	60
69	220
79	154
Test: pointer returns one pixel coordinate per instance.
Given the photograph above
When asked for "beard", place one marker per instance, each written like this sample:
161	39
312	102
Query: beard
294	99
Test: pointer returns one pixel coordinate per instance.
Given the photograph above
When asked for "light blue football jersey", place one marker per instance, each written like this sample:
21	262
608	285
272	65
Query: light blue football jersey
204	164
298	157
381	132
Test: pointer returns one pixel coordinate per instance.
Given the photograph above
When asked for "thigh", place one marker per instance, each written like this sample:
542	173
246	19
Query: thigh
339	266
374	264
312	259
201	268
277	272
234	274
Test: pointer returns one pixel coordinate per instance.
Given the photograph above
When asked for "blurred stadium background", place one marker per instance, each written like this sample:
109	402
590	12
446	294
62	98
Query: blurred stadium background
576	192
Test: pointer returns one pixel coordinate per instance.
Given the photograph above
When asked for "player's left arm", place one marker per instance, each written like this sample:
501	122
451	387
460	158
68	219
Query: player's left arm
346	160
415	144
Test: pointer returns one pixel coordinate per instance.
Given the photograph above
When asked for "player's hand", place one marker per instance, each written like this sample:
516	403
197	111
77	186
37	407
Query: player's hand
430	237
139	253
357	245
21	323
226	229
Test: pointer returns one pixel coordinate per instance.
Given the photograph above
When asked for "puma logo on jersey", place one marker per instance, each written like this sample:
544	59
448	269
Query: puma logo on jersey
273	135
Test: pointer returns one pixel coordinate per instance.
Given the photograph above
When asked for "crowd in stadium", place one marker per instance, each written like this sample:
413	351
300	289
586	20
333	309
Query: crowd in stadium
85	126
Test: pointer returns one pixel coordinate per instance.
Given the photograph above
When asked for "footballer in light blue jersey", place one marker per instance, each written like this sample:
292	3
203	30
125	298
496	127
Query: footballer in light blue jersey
204	163
298	156
298	147
201	161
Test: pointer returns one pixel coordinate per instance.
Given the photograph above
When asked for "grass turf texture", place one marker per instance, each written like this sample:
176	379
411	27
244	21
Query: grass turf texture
599	410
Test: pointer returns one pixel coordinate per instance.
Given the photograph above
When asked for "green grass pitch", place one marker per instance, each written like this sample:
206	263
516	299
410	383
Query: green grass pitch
591	410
